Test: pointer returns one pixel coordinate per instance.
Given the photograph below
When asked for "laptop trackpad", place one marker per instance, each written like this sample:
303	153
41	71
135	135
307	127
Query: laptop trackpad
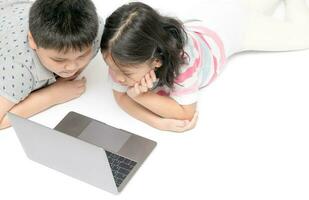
105	136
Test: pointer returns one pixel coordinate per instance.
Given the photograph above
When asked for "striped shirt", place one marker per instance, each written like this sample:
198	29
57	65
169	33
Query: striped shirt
205	57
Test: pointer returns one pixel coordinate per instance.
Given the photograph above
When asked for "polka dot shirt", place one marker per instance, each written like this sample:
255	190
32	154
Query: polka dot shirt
20	69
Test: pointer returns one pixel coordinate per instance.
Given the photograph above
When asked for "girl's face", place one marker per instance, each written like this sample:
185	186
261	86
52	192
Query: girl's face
128	75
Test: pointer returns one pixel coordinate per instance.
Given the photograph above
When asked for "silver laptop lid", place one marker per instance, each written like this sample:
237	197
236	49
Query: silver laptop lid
116	140
64	153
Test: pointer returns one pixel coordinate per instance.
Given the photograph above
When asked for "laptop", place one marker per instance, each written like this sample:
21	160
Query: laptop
84	148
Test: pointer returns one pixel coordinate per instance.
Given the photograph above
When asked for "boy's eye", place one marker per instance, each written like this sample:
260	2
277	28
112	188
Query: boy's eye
58	61
82	57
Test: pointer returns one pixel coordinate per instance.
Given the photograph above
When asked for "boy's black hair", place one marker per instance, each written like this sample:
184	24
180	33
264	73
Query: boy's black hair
136	33
63	24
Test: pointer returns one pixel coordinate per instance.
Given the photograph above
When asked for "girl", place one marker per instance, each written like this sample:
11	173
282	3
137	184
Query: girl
158	64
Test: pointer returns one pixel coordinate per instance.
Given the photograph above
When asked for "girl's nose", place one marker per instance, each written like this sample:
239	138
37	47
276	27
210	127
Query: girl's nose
120	79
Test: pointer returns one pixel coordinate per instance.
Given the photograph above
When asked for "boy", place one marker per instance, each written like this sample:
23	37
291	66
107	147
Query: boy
44	46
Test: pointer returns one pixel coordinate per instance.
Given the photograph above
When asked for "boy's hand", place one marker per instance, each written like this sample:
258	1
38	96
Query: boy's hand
66	90
144	86
175	125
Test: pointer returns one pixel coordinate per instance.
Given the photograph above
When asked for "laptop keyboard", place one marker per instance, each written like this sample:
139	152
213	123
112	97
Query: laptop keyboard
120	166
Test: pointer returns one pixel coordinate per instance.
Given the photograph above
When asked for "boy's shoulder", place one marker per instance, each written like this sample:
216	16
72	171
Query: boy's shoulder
19	73
13	31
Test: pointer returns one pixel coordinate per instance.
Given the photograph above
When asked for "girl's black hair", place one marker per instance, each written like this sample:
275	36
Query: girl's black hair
136	33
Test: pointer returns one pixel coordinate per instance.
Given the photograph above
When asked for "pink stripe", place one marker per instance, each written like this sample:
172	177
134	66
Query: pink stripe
215	62
214	76
163	93
215	69
214	57
215	37
191	70
185	91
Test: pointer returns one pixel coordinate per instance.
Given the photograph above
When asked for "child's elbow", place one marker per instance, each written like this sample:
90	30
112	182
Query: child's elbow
119	96
187	116
4	124
187	112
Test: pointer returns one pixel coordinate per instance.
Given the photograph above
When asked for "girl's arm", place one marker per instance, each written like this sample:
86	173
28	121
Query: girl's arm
165	106
145	115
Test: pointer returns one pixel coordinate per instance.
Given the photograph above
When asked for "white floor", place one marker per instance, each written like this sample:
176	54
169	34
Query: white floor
251	141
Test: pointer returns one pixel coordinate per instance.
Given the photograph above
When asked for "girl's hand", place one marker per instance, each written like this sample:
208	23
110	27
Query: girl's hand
144	86
66	90
175	125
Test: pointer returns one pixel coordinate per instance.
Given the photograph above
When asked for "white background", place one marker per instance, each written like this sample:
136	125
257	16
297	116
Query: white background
251	141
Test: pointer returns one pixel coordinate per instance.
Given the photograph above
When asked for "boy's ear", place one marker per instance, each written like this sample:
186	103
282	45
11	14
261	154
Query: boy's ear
32	43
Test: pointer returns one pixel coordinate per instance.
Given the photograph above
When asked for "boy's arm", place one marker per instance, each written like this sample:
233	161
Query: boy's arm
40	100
5	106
165	106
33	104
141	113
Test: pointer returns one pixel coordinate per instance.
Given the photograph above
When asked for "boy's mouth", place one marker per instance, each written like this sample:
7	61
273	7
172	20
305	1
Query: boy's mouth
68	72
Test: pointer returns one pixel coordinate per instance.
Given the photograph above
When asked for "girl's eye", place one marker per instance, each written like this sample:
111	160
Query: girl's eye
127	74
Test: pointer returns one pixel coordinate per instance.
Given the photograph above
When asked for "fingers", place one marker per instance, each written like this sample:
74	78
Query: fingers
153	76
137	89
148	80
193	122
184	125
81	82
143	86
80	86
180	123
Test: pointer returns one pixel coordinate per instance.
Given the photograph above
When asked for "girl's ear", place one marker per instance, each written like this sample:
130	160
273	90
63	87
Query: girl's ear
32	43
157	63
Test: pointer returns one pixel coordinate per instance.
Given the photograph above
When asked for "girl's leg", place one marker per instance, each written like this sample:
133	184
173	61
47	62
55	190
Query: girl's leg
266	33
266	7
297	11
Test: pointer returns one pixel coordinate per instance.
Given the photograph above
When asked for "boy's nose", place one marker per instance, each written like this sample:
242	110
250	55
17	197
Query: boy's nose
71	67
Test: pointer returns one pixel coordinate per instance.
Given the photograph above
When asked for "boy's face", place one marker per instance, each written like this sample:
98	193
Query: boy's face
64	64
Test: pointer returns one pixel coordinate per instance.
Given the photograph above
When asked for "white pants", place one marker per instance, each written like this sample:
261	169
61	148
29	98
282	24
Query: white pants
245	25
266	33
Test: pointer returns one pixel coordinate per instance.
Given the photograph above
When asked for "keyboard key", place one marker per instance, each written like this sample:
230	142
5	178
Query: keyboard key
120	166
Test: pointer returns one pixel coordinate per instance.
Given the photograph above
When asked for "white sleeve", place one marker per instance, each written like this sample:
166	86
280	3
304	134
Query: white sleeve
116	86
185	94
